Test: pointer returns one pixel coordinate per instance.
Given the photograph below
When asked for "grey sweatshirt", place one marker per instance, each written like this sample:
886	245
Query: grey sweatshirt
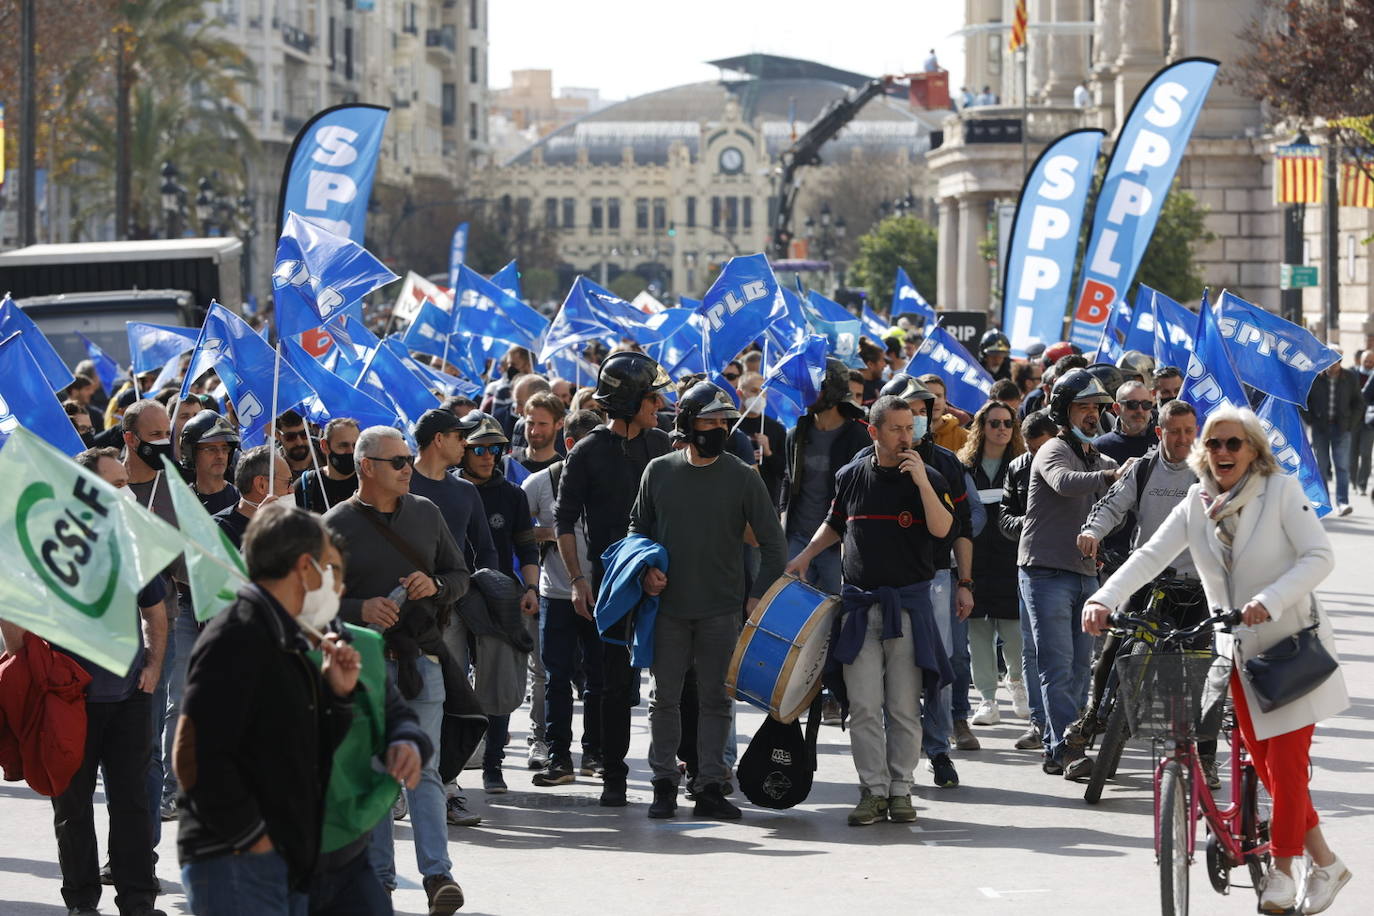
1165	487
1062	491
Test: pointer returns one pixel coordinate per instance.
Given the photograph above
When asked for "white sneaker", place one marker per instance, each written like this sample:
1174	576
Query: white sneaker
987	714
1280	893
1020	701
1322	885
1343	509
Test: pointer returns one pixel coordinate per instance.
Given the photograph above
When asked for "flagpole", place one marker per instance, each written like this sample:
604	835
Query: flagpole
272	426
319	475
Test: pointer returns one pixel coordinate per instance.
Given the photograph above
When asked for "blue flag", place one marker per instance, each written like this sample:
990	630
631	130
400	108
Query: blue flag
1144	159
967	384
329	171
575	369
105	366
1288	438
334	398
791	328
783	409
1271	353
1171	331
1110	345
800	372
874	327
27	401
246	364
907	298
384	370
508	279
431	331
13	320
318	275
1211	378
834	322
739	307
474	291
1044	239
592	313
457	253
152	346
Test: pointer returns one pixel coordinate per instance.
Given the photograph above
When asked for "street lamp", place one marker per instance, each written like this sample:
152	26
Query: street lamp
205	205
172	193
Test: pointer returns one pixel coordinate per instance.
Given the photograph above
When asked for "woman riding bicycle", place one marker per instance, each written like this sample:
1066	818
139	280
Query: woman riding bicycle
1257	545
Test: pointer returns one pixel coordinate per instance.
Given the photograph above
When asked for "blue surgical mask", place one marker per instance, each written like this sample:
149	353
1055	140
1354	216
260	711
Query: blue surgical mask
919	425
1082	436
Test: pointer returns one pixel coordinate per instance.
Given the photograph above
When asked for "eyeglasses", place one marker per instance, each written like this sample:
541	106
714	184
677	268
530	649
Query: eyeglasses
1137	405
1000	424
1232	445
731	378
397	462
496	451
299	435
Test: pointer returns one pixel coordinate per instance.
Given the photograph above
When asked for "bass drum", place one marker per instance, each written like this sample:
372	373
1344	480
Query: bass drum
781	652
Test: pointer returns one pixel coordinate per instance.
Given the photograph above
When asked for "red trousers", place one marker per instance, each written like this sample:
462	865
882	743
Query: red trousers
1282	764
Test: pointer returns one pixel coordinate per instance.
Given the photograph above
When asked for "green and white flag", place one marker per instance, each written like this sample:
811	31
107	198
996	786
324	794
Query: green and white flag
215	569
74	553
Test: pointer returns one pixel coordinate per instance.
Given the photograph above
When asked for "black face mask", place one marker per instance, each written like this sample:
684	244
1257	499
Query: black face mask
343	463
151	453
1163	400
88	439
710	442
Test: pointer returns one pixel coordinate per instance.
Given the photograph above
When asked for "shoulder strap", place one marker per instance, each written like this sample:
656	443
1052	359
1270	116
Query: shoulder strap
1142	478
813	728
555	477
403	547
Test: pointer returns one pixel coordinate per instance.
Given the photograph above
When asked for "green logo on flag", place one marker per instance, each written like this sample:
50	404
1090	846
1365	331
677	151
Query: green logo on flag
61	545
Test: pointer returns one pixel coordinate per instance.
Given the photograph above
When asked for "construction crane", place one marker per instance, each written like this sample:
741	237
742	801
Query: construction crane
805	151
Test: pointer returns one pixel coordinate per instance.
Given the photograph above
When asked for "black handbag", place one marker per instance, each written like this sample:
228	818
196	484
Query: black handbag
1291	668
776	770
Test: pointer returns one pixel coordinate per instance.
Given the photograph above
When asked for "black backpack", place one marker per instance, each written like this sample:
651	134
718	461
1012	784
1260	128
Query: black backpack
777	769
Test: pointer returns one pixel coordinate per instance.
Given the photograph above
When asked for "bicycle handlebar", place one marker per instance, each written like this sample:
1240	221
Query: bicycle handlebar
1222	620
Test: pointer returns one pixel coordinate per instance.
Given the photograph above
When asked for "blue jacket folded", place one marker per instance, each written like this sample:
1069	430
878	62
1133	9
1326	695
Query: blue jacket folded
623	597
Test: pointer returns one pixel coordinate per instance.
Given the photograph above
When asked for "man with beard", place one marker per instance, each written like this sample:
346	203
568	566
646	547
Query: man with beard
1134	434
1067	477
321	492
294	440
543	422
208	442
1168	382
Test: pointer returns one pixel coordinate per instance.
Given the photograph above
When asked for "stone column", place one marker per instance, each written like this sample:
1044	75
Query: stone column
947	254
1068	53
1107	36
1142	50
1038	46
974	280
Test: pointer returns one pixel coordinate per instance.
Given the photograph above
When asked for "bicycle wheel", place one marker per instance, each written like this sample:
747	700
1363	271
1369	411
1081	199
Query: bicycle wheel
1108	754
1172	831
1254	823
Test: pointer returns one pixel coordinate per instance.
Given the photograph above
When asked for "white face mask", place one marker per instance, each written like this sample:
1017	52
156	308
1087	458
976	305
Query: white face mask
321	605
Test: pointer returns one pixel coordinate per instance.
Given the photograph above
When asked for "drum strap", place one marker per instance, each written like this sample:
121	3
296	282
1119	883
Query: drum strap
813	728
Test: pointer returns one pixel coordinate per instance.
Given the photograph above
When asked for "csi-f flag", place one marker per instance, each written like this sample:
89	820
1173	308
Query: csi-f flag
1044	239
1139	174
318	275
967	384
76	553
12	320
1211	379
1287	437
1271	353
329	170
738	308
213	564
26	401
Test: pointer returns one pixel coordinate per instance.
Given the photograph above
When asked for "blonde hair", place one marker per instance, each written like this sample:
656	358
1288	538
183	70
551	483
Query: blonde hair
1265	463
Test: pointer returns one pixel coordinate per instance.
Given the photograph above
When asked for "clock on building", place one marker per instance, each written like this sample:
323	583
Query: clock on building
731	161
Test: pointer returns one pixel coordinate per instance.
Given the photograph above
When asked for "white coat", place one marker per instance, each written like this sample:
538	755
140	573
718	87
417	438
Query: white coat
1281	554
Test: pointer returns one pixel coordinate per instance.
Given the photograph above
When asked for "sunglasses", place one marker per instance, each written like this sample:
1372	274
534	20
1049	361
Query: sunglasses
398	462
495	451
999	424
1137	405
731	378
1232	445
299	435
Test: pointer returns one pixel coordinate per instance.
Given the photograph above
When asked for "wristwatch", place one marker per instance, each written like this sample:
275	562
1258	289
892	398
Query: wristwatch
966	583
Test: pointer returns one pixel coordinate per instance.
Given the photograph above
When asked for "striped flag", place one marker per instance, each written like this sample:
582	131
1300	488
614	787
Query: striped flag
1018	27
1298	175
1357	190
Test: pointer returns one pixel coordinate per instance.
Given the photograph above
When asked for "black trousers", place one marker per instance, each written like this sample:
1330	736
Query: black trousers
617	693
119	741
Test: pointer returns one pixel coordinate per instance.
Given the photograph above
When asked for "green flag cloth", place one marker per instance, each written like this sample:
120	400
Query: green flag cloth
216	570
359	794
75	553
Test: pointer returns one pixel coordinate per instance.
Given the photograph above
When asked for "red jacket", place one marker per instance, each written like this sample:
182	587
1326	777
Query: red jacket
42	717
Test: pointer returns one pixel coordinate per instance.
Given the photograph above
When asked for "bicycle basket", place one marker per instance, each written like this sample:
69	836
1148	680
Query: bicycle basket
1164	692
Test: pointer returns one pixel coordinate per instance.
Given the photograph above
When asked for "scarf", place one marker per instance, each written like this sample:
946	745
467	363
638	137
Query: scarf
1224	508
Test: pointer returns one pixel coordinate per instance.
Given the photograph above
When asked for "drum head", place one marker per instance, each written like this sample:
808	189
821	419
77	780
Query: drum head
801	677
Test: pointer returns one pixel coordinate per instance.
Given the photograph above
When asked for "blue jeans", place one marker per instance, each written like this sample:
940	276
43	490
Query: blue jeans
937	724
428	807
182	632
250	884
1030	671
1063	652
349	890
564	638
963	664
1332	446
824	571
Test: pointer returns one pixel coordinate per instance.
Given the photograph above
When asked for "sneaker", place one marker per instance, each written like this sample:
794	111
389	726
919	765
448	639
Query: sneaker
457	813
831	714
870	809
664	804
1343	509
493	783
945	776
1031	740
1280	894
539	755
1051	767
986	714
1020	700
1322	885
399	808
168	811
712	803
83	911
963	736
591	765
1211	773
1077	766
555	774
444	894
899	809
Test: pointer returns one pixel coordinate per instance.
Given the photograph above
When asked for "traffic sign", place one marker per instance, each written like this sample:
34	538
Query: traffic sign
1297	276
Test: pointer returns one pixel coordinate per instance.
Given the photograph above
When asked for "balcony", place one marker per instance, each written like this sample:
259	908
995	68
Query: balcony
297	38
444	39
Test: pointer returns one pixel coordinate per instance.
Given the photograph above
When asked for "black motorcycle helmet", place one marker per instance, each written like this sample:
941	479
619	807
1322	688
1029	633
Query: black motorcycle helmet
1136	366
1110	376
202	429
704	399
906	387
1077	386
835	390
993	341
1035	350
625	380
